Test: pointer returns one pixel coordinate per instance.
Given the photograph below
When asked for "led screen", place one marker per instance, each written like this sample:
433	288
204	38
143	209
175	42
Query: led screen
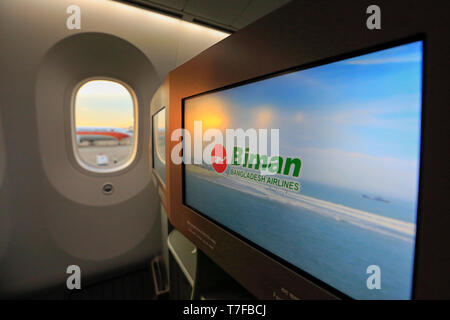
339	202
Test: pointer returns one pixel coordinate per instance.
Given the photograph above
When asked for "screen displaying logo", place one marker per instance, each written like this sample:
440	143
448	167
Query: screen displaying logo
319	166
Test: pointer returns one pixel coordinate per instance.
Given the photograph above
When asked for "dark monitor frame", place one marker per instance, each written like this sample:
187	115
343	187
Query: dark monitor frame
323	284
239	59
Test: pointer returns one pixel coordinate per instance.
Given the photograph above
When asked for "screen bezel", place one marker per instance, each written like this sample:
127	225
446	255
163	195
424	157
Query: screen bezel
330	60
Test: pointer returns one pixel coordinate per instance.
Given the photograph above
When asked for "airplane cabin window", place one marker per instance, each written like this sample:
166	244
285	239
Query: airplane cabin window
159	144
104	125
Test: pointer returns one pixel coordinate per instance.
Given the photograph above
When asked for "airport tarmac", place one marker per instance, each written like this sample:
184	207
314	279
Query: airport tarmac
116	155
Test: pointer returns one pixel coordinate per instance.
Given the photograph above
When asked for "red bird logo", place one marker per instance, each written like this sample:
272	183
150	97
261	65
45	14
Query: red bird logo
219	158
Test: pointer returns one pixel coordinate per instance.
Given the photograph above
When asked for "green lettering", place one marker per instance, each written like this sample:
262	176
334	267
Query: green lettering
297	165
246	157
251	161
237	156
276	163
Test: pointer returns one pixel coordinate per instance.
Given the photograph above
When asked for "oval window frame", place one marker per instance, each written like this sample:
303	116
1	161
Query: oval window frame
156	147
78	160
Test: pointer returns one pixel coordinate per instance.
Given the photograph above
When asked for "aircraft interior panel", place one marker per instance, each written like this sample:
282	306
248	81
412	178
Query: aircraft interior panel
224	150
60	213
